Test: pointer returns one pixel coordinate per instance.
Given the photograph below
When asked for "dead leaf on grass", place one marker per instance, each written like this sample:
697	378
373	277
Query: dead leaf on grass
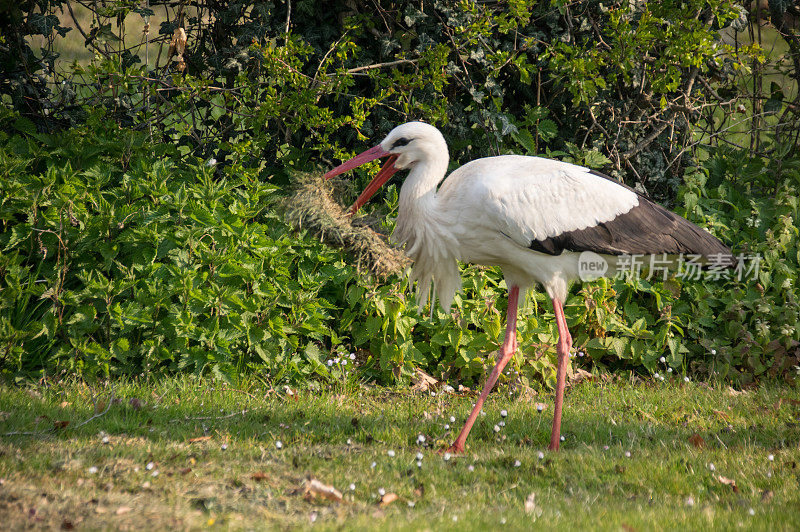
732	392
185	470
199	438
259	476
531	508
728	482
579	375
60	424
388	499
315	488
697	440
123	510
422	382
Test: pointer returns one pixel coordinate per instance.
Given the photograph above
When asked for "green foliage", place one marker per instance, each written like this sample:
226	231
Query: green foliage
158	264
24	70
120	257
149	237
635	83
167	263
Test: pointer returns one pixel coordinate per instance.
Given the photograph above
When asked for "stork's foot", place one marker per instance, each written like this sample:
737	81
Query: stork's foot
456	448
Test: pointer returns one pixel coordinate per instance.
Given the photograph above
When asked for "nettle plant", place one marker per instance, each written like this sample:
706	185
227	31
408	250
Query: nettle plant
123	257
749	327
161	265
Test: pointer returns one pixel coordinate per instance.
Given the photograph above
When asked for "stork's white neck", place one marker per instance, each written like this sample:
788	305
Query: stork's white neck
418	193
425	229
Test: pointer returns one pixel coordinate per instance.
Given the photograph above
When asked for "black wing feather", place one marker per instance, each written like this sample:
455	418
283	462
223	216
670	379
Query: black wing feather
647	229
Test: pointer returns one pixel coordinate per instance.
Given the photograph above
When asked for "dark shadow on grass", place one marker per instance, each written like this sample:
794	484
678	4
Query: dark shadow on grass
312	422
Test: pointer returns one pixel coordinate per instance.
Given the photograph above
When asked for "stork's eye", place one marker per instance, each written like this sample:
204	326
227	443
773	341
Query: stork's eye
402	141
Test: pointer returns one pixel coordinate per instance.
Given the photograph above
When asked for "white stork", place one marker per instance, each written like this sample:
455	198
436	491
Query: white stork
530	216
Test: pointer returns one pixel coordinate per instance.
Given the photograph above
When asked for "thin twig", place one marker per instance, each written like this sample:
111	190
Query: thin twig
101	414
288	21
86	37
382	65
202	418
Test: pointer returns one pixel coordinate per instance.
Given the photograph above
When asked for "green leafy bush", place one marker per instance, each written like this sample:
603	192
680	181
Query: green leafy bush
123	257
126	252
154	263
628	86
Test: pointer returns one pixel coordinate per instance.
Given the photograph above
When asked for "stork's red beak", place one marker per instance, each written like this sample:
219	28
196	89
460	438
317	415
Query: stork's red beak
387	171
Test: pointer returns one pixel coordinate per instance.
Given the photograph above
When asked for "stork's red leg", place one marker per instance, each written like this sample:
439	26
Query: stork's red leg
564	345
503	356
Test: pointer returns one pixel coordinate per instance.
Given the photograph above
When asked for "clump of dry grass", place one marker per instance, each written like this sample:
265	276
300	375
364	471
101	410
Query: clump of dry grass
313	207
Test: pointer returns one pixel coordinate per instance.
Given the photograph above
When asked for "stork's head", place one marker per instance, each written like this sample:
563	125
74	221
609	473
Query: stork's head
405	146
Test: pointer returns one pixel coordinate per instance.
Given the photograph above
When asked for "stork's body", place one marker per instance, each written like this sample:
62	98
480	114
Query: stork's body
530	216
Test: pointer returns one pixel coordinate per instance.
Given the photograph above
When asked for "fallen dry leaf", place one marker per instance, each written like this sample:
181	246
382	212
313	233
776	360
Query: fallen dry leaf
388	499
60	424
734	392
64	404
531	508
579	375
530	503
315	488
123	510
728	482
185	470
422	382
199	438
697	440
259	476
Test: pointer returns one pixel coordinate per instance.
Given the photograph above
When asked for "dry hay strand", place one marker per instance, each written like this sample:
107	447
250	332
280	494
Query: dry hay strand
313	207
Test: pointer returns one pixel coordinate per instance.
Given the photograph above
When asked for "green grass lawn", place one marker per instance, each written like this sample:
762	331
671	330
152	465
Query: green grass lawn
636	457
